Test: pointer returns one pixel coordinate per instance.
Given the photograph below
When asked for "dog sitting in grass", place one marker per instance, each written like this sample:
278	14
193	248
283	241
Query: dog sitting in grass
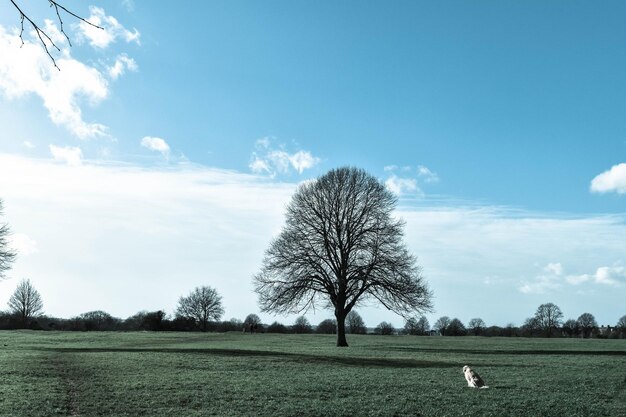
473	379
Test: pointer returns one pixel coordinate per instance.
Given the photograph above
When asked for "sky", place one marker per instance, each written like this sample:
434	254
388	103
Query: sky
162	152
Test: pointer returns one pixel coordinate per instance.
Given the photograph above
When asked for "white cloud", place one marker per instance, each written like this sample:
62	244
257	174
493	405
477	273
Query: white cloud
554	268
554	280
403	184
549	281
604	275
426	174
69	154
400	186
26	69
267	160
28	144
122	63
259	166
113	30
613	180
156	144
302	160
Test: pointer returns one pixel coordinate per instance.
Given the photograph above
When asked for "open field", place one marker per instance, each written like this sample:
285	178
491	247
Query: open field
194	374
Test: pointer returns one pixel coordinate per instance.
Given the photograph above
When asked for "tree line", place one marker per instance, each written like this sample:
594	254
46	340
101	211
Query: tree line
201	310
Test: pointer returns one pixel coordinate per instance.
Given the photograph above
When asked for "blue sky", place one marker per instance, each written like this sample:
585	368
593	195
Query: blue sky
499	124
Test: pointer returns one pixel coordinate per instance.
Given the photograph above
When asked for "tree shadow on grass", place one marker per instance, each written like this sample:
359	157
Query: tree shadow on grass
511	352
296	357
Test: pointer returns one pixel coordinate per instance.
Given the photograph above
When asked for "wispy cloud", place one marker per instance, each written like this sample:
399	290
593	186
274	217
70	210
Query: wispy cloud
405	180
71	155
426	174
553	279
272	161
549	280
613	180
122	63
604	275
156	144
400	186
113	30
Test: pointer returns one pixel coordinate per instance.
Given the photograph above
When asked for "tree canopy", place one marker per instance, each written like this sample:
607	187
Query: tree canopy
341	246
202	304
26	302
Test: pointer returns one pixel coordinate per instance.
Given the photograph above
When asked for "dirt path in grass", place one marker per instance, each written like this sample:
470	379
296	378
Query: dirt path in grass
62	364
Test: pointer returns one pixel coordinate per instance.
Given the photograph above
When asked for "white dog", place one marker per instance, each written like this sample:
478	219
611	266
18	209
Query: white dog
473	379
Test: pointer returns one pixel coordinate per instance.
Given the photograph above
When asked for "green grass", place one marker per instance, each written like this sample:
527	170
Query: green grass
193	374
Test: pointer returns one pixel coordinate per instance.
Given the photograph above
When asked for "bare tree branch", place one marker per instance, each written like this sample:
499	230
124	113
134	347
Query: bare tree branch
41	34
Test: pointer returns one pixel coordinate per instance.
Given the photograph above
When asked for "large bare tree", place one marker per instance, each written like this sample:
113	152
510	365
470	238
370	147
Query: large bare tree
26	302
7	255
202	304
340	247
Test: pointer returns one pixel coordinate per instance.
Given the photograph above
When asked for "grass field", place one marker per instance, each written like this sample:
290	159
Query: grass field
193	374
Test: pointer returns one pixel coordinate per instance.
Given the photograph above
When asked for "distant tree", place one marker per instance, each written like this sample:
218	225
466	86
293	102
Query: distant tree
416	326
531	327
153	320
7	255
477	326
510	330
549	317
586	323
98	320
355	323
456	328
423	326
441	325
252	322
384	328
236	323
570	327
410	326
302	325
328	326
184	324
202	304
26	303
277	327
621	326
252	319
341	246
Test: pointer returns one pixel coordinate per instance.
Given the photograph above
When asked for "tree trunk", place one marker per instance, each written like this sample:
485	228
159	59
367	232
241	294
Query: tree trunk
341	329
